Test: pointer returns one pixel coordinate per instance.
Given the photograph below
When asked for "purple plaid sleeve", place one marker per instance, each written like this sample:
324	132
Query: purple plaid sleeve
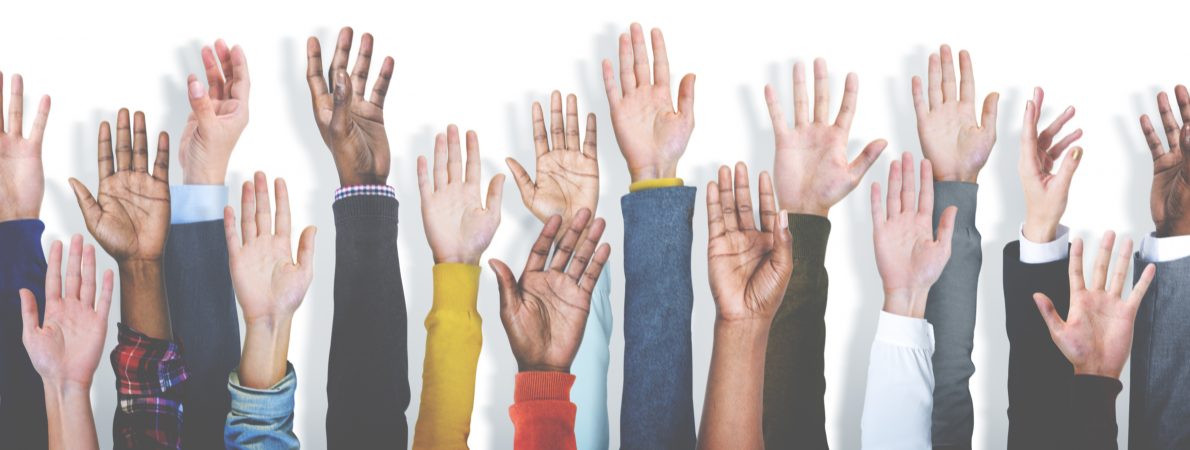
365	189
150	375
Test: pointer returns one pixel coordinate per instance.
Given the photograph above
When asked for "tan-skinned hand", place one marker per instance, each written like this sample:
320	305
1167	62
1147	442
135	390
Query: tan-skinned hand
951	138
22	178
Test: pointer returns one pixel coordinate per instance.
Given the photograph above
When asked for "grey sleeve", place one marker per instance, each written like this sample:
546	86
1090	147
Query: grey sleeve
1160	375
951	310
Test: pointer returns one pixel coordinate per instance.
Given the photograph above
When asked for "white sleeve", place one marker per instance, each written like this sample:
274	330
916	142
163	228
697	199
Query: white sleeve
1154	249
1048	252
899	402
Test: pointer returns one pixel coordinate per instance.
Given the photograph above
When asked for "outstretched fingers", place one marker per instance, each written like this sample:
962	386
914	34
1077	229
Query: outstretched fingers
566	246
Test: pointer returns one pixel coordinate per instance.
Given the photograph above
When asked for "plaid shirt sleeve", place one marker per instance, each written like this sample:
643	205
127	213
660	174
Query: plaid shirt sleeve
149	379
365	189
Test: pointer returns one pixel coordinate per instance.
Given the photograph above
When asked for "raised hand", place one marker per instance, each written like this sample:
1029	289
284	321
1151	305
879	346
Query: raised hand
1045	192
908	256
811	158
458	225
130	219
218	115
1170	198
1097	334
351	126
269	285
950	137
651	134
748	265
567	174
67	346
22	180
544	313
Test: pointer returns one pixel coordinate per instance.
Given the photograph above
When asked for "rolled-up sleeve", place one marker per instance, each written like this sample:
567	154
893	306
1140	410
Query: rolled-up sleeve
150	378
261	419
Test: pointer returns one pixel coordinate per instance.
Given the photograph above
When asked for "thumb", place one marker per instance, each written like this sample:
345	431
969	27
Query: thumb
507	283
339	119
782	257
686	97
200	103
946	226
1052	320
90	208
495	195
305	253
29	314
523	182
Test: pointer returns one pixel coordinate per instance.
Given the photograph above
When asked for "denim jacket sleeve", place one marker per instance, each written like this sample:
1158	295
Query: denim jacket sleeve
261	418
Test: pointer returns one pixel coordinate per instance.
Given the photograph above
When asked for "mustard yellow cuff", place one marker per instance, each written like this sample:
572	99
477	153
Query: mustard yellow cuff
655	183
456	286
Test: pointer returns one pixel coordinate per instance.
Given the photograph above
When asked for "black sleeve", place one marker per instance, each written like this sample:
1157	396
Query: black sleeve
1093	412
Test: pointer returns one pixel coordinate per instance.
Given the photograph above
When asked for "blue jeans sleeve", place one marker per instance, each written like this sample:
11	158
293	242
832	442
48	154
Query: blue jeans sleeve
261	419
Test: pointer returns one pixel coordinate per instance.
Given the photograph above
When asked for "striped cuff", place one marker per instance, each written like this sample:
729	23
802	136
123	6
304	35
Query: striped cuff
365	189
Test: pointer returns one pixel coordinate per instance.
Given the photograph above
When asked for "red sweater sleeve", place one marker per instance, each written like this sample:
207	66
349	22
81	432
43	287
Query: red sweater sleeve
542	413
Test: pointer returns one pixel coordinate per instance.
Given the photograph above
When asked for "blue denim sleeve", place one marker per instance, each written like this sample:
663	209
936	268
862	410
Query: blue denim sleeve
261	419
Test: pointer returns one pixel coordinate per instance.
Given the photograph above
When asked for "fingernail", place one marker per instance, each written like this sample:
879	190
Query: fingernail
783	219
196	90
1078	154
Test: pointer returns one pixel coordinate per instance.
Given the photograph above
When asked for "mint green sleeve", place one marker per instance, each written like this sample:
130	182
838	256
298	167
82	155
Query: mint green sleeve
590	369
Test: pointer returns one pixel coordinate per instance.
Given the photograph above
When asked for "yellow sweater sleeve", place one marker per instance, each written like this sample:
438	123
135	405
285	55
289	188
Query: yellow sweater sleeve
655	184
453	340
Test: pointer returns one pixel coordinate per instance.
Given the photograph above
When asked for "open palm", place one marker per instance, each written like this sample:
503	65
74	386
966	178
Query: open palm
218	114
651	133
22	180
749	266
545	312
811	166
68	344
951	138
1171	169
352	126
1096	336
130	219
457	223
567	174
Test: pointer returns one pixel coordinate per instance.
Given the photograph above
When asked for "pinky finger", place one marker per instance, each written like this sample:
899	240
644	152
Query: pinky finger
104	304
1142	285
591	275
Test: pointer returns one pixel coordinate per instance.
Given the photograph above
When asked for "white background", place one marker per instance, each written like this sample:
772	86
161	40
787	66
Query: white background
481	64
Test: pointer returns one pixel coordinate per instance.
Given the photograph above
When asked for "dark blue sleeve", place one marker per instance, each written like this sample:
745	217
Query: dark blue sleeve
658	408
22	402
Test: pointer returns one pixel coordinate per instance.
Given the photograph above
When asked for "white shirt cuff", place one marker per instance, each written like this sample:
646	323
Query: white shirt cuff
904	331
1154	249
1048	252
192	203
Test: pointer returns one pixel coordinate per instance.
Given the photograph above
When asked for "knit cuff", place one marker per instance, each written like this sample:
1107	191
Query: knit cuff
365	206
456	286
810	234
532	386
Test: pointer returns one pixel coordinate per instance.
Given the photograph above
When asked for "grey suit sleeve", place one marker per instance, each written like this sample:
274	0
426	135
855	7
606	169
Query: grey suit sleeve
1159	408
658	408
202	309
951	310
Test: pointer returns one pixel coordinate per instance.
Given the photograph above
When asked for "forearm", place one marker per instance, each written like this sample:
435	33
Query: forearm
142	299
22	266
590	369
454	337
658	409
68	410
794	384
899	398
266	352
731	416
951	309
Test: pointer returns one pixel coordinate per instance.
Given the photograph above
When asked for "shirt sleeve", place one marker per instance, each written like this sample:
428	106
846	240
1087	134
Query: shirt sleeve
22	401
794	384
1093	412
454	337
657	411
656	183
190	203
542	415
261	419
951	309
1045	252
1166	249
898	403
590	369
150	377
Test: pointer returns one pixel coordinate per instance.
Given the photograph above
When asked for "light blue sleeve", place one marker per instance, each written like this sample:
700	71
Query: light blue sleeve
261	419
192	203
590	369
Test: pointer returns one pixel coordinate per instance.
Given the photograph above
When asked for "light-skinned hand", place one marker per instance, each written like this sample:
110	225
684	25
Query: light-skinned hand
218	115
951	138
458	225
22	179
1045	192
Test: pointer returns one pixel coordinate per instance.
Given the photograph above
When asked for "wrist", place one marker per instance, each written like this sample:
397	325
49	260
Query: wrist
742	329
266	350
8	216
217	176
472	260
908	302
355	179
541	367
653	171
1099	369
809	210
139	267
1040	231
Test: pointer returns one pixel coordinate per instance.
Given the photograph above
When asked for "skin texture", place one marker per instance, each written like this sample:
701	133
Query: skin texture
810	161
351	126
908	256
269	285
652	135
66	348
545	311
22	180
1045	192
567	173
219	114
1097	334
749	266
951	139
130	220
1170	198
458	225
